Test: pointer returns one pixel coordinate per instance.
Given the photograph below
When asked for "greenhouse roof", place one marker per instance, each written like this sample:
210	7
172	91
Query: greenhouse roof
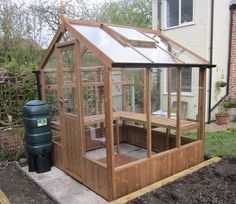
123	46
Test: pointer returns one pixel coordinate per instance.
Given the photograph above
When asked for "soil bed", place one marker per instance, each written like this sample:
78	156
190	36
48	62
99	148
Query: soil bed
19	188
215	183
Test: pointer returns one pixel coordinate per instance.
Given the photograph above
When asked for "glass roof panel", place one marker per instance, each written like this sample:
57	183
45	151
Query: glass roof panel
131	34
157	55
109	46
181	53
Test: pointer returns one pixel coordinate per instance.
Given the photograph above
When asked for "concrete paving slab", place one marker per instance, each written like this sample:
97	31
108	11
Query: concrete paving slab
63	188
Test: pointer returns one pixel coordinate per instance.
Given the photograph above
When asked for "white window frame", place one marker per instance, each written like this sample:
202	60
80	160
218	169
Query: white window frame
174	93
180	15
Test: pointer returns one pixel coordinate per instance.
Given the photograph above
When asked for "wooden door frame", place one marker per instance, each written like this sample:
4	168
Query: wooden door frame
70	45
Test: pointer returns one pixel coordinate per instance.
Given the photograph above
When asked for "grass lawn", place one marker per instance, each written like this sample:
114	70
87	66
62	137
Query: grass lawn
222	143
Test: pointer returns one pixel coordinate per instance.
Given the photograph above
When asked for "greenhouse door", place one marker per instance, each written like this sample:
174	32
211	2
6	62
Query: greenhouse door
69	104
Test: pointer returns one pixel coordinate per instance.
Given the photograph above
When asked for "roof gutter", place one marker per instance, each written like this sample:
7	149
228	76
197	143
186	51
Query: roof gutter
210	60
159	65
232	7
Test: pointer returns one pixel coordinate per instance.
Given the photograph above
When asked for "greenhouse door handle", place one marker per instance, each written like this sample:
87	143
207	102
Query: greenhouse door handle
61	101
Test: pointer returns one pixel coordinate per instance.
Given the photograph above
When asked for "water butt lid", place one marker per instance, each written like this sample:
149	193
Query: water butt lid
35	103
35	107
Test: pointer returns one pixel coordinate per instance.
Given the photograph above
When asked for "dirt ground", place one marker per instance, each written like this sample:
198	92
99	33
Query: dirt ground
215	183
19	189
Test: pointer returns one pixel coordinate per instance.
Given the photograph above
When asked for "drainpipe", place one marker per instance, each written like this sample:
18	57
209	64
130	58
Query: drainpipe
156	19
210	60
159	13
37	76
229	57
232	7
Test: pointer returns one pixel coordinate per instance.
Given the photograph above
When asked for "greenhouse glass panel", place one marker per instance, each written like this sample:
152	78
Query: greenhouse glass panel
157	55
180	52
131	34
109	45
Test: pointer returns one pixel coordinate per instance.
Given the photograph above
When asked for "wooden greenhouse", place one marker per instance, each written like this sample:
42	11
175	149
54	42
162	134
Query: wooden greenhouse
102	83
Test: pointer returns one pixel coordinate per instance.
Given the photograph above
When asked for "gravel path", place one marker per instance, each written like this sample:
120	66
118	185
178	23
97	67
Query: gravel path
213	127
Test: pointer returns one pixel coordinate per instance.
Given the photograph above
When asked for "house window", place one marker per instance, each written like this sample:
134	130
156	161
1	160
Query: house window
186	80
178	12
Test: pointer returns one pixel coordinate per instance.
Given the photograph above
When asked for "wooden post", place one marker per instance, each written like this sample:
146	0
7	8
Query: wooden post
109	132
169	85
201	103
132	95
178	108
79	87
101	88
117	137
60	98
145	95
148	112
124	102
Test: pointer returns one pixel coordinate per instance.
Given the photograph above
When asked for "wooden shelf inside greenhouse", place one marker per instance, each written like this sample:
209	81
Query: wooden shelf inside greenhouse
141	118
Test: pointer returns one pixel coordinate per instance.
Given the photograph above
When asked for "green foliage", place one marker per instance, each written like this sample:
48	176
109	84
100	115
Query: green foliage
18	46
221	143
19	56
19	89
229	102
7	154
129	12
220	84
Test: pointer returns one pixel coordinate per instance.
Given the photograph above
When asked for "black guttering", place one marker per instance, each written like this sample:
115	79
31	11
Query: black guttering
156	65
211	57
232	7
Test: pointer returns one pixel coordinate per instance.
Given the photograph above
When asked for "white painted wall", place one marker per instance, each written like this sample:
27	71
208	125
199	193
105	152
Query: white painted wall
193	36
220	44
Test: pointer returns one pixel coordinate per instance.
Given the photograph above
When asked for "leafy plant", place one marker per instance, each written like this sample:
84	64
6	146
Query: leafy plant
218	85
229	103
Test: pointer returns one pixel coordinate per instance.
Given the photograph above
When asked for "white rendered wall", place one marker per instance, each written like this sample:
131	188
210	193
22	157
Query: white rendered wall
195	35
220	45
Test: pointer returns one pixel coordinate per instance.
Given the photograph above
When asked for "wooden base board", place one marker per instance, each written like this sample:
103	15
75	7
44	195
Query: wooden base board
119	160
158	184
3	198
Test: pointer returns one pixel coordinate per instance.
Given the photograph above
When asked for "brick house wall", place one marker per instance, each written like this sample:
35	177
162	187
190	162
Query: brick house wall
232	77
